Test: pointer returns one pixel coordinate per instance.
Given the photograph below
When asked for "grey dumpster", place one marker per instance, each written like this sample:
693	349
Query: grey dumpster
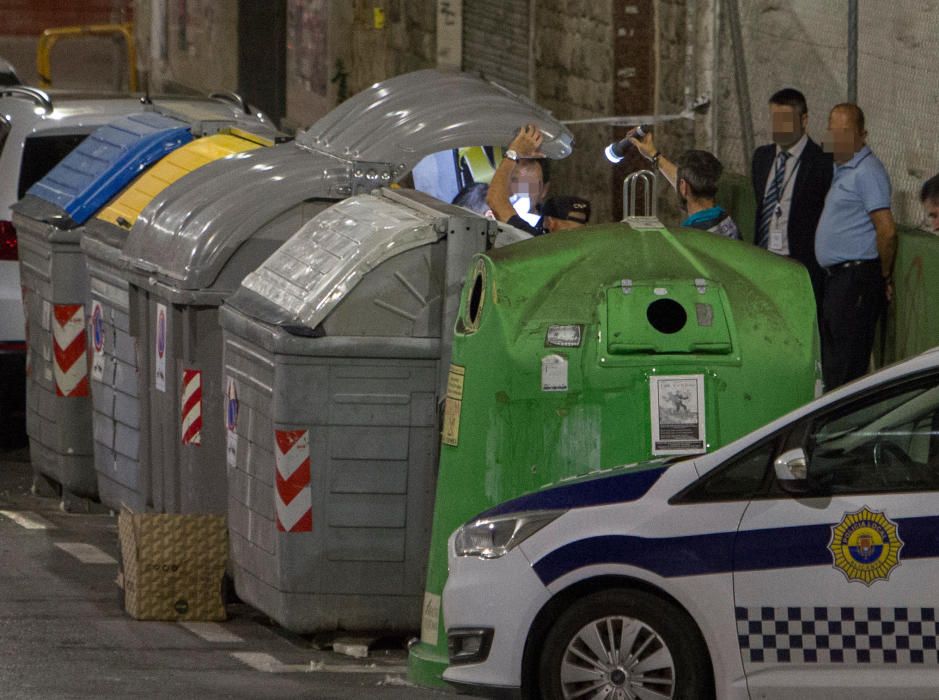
336	353
48	220
114	390
199	238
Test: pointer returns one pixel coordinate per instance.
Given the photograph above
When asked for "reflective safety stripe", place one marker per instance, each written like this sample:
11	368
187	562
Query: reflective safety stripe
293	498
69	340
192	407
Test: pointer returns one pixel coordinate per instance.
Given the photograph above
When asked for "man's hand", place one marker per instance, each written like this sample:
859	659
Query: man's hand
528	142
888	289
645	145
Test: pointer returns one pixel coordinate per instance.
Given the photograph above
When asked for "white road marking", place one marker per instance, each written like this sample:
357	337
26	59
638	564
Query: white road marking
268	664
212	632
86	553
27	519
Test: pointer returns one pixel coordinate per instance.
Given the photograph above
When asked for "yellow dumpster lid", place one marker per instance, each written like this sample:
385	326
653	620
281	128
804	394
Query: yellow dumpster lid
124	209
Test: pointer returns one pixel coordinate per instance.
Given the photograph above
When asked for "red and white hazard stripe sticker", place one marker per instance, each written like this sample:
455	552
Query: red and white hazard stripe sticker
69	341
293	497
192	407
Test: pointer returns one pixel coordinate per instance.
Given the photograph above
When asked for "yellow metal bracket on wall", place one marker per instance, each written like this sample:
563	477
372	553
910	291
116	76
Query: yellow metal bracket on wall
50	37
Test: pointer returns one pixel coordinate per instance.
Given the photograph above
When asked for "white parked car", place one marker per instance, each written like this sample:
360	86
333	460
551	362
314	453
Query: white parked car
800	561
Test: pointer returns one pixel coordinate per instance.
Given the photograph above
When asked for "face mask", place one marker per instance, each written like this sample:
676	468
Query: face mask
522	204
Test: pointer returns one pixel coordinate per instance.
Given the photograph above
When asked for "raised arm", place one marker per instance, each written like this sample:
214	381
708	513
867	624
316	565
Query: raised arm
526	145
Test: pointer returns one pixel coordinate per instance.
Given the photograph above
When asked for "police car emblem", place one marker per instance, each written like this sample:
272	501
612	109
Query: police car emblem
865	546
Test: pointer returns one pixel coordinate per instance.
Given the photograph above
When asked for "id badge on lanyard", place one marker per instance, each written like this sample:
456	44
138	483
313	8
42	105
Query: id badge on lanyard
775	234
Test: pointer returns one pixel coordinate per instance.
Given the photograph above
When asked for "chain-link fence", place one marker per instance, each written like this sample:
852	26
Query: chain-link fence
804	44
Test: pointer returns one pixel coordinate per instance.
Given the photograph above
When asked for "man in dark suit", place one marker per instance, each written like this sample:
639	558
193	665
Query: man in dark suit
791	177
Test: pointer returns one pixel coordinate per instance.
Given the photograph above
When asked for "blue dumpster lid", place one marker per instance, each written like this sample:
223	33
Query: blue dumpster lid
105	162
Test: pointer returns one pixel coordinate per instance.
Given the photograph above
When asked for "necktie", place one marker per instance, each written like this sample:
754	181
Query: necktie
771	200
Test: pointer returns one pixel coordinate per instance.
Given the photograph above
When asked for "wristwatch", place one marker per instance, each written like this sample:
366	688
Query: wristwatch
511	154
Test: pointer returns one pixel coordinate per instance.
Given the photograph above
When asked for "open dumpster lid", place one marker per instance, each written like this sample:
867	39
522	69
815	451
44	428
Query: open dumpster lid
101	166
187	234
408	117
322	262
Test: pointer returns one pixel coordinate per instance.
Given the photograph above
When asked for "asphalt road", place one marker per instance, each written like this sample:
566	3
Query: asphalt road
64	634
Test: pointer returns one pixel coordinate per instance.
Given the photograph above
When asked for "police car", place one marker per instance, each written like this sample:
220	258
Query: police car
801	561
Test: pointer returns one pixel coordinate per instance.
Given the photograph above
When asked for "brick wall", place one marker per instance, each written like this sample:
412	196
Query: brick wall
30	17
672	137
573	79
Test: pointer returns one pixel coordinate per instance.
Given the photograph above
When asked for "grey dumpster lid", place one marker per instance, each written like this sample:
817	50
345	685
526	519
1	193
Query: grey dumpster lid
403	119
188	233
317	267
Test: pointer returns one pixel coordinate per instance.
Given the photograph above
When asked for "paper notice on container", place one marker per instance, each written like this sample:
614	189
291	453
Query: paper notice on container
159	379
453	406
554	373
677	404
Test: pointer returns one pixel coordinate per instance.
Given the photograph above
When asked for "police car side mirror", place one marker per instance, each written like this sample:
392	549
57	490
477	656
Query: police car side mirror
792	471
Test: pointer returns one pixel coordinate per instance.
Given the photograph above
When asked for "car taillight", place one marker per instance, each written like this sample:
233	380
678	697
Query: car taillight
8	247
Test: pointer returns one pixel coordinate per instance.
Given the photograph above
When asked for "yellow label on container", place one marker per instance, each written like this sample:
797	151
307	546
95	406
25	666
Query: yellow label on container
378	17
451	422
455	382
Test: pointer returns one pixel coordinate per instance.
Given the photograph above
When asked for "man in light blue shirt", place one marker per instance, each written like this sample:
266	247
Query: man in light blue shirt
856	245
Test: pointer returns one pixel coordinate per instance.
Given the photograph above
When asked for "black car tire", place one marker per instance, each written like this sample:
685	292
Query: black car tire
693	677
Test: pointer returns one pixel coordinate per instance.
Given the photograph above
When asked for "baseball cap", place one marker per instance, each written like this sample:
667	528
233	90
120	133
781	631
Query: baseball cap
569	208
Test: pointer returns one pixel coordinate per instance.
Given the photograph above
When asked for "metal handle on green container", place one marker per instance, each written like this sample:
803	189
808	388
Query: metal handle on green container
631	193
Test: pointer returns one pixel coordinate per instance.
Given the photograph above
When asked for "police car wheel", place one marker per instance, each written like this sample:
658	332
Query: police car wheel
624	645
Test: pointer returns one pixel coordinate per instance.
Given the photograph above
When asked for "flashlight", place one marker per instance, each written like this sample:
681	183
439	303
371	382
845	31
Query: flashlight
615	151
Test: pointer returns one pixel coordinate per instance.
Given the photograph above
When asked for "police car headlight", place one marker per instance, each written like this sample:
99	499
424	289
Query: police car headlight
491	538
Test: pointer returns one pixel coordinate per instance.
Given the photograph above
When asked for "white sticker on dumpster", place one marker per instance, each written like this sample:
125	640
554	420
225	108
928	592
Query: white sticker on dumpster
159	379
97	341
231	424
677	404
554	373
430	619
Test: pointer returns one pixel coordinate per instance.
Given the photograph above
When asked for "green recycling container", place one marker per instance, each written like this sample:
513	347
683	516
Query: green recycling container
582	350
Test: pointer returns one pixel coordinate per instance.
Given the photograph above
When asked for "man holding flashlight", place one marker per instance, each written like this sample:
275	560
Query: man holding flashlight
694	176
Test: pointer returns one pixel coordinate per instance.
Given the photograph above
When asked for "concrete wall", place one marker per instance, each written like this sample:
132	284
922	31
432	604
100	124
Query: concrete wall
200	45
366	41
